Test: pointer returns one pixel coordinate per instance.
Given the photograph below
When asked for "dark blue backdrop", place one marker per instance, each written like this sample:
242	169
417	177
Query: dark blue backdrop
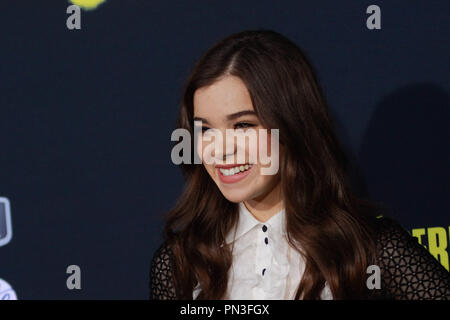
86	117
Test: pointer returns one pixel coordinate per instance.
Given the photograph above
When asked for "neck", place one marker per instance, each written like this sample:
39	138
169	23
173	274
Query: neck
266	206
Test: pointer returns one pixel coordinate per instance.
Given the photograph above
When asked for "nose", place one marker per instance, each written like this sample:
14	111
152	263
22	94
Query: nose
228	148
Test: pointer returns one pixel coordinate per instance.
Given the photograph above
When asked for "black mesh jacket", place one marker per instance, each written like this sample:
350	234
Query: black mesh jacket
408	270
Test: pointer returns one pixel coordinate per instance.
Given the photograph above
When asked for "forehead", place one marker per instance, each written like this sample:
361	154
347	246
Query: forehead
225	96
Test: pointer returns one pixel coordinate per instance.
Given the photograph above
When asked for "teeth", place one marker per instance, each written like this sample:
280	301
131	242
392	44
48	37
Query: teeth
233	171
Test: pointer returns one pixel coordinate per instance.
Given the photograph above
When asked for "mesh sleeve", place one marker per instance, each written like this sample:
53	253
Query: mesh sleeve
408	270
162	285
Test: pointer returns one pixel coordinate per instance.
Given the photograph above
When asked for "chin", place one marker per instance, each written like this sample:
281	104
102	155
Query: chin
235	196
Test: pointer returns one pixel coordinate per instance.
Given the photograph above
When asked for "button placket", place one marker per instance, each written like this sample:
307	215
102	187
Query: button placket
260	252
264	229
266	257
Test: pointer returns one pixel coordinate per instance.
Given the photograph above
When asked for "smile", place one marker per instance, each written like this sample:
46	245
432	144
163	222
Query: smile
235	170
232	174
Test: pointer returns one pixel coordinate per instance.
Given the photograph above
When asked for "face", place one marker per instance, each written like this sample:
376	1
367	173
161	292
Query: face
226	104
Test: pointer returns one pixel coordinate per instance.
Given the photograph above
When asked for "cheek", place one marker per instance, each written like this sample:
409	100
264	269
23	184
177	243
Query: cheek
200	147
267	181
268	144
251	150
263	148
204	149
210	169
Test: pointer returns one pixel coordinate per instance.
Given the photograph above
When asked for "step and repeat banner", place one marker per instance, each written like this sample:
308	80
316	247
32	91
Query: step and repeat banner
90	92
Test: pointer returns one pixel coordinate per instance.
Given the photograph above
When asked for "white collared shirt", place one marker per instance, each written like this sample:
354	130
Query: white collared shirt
265	266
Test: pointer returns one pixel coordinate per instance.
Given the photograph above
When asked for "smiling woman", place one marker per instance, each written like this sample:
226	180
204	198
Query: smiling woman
300	233
226	105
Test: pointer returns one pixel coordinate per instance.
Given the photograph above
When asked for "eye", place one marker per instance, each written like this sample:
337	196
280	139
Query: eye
203	128
243	125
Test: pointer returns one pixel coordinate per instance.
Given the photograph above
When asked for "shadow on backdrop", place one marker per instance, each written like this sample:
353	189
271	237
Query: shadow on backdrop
404	156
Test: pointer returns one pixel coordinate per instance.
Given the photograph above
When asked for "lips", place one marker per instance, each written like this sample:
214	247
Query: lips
233	173
228	166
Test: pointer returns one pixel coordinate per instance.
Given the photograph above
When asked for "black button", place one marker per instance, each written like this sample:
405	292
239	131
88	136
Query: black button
264	270
266	240
264	228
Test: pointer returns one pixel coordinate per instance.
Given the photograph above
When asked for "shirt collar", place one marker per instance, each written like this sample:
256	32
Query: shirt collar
246	222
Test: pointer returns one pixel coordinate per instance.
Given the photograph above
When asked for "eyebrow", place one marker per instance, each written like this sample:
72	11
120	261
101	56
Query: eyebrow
230	116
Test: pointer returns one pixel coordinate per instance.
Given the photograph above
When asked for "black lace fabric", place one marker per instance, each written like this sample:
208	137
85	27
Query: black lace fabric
162	286
408	270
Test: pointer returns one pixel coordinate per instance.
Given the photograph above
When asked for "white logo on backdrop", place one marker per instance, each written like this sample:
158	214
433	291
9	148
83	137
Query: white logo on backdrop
5	222
6	291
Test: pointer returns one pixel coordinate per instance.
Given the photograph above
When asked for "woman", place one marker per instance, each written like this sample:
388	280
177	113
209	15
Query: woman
299	233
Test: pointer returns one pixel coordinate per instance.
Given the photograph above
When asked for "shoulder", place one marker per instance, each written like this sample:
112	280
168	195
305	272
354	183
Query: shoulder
408	270
162	285
390	234
162	255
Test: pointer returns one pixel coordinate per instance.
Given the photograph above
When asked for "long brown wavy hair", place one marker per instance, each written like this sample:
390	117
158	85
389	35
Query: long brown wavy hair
330	227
